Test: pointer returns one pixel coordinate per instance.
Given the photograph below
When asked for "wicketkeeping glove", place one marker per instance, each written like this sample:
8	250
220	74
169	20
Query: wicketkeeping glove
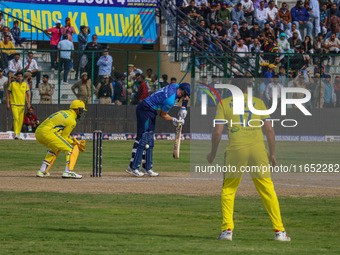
80	143
182	113
178	122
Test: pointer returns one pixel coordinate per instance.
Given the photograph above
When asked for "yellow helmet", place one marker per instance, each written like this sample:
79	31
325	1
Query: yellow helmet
78	104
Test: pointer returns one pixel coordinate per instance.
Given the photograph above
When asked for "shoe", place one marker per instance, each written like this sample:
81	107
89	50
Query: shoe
72	175
281	236
16	137
150	172
42	174
226	235
135	172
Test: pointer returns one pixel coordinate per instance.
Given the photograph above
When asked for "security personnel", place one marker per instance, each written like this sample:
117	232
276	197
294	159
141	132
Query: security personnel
84	89
46	91
17	93
54	133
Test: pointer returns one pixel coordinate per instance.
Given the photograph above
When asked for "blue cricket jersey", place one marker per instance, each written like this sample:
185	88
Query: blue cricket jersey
163	99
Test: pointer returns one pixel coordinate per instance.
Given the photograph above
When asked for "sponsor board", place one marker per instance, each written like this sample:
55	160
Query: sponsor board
171	136
332	138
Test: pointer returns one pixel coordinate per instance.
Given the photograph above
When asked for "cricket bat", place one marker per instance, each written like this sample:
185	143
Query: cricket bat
177	143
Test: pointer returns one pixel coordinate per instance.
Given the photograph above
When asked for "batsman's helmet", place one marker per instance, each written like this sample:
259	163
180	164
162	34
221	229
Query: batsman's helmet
78	104
186	87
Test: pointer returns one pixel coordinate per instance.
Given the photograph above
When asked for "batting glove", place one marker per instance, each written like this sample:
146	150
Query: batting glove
178	122
182	113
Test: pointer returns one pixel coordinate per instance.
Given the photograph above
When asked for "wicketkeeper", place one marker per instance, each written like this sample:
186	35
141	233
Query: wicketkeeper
55	132
163	100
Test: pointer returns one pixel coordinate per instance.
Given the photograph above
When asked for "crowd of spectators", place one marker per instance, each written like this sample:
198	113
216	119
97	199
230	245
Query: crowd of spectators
240	28
246	29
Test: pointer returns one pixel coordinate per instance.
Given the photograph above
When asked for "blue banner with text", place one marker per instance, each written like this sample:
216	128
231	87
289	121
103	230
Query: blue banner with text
112	25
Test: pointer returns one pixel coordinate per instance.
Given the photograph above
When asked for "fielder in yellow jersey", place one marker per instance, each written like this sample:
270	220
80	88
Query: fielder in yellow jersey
54	133
17	95
246	148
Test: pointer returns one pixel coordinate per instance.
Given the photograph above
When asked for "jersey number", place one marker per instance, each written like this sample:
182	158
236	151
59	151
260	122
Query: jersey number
249	118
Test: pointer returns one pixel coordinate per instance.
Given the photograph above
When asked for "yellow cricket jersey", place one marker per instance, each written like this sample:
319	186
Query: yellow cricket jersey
242	133
62	123
18	93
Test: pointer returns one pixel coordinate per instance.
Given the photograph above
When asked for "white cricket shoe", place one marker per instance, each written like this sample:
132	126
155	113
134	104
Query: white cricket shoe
226	235
281	236
16	137
71	175
42	174
135	172
151	173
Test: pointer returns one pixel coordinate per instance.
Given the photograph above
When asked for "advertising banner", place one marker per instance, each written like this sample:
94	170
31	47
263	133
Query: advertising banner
102	3
112	25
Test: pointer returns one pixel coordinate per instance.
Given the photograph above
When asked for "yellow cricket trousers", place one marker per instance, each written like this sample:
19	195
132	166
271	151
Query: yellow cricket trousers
255	155
55	143
18	117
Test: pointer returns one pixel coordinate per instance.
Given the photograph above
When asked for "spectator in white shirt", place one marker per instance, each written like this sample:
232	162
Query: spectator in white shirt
293	29
269	91
272	13
32	66
3	82
261	15
241	47
248	9
15	65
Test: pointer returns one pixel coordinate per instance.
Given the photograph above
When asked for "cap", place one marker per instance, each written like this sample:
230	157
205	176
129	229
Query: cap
106	76
58	22
84	73
295	32
337	77
131	65
77	104
272	66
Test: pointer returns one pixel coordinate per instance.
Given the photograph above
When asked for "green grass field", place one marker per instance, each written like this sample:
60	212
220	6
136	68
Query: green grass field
36	223
28	155
55	223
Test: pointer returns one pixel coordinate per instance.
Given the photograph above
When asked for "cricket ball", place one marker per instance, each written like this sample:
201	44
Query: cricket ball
147	146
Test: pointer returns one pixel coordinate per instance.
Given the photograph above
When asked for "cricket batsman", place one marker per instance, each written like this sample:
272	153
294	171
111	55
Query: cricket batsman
246	148
54	133
146	111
